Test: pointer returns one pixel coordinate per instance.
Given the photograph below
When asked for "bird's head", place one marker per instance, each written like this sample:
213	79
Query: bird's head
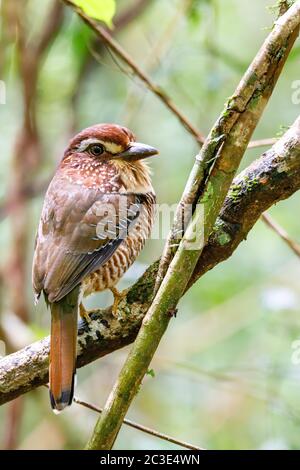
105	142
113	145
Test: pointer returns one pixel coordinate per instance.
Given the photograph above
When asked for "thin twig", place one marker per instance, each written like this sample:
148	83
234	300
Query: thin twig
49	32
139	427
270	222
130	14
142	428
262	143
155	56
107	38
122	54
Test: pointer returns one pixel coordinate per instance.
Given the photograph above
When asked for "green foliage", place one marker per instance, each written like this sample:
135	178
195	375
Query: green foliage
196	12
151	373
102	10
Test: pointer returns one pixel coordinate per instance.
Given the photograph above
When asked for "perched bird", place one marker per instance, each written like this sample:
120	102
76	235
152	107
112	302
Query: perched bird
97	213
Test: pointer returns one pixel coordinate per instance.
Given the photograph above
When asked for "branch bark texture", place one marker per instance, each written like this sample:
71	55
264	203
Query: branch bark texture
273	177
208	185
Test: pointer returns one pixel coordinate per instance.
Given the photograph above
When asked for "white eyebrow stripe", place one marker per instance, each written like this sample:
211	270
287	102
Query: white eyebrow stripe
111	147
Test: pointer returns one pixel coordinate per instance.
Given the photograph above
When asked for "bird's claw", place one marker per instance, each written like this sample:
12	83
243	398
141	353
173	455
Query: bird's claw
85	315
118	296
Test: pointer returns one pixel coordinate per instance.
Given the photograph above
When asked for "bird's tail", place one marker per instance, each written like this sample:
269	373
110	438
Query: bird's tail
63	342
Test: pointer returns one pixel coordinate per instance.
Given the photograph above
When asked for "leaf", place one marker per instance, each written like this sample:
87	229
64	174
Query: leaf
151	373
102	10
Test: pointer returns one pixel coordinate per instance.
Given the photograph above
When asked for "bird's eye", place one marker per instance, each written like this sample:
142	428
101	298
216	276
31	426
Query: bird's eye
96	149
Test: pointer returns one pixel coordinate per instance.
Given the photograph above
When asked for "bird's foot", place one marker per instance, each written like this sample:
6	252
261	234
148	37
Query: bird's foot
85	314
118	296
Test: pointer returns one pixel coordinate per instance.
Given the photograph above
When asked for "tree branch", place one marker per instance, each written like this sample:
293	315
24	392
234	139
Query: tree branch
272	224
130	14
140	427
109	41
210	179
273	177
262	143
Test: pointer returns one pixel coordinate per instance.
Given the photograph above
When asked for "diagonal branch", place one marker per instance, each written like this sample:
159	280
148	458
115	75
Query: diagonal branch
210	178
273	177
262	143
109	41
266	181
140	427
207	186
271	223
50	30
104	35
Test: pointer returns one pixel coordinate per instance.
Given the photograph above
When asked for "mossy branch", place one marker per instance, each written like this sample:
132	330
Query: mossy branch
207	186
273	177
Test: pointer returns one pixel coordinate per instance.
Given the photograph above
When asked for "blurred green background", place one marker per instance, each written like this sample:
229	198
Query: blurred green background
224	376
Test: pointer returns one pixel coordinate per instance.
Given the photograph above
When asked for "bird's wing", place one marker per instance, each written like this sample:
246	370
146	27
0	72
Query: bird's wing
79	231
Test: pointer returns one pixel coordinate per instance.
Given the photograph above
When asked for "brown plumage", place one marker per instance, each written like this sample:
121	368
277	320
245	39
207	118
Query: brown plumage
98	212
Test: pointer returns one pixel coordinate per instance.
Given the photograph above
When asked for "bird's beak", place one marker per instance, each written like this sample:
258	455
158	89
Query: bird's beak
137	151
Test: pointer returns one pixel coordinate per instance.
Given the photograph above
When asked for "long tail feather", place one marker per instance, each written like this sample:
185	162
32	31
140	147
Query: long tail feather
62	367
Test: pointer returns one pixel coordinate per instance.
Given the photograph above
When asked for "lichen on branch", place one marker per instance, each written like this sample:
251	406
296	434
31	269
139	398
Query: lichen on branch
273	177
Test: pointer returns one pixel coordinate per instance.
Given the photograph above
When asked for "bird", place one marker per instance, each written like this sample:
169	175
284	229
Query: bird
97	213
